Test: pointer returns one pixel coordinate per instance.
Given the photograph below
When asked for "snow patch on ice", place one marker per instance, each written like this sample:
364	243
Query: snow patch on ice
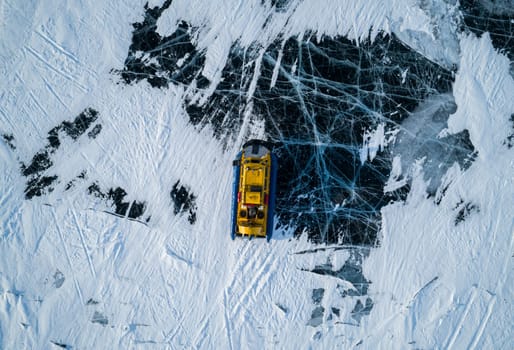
483	92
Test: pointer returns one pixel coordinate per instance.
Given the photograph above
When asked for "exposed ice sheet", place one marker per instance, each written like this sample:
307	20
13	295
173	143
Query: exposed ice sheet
430	29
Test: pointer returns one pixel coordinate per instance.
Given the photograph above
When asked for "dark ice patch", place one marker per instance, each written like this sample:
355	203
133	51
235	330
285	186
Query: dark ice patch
347	292
316	99
94	189
325	95
92	301
72	182
183	201
99	318
336	311
316	316
40	162
492	17
9	140
361	310
157	59
419	139
115	197
280	5
69	185
317	295
61	344
351	272
283	308
81	123
464	210
73	129
510	139
224	110
95	131
38	183
58	279
137	210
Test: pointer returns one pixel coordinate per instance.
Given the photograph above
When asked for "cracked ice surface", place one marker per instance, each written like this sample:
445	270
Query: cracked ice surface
358	124
317	96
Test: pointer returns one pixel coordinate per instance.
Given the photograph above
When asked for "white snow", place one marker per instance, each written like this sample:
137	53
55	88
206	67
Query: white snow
373	142
169	284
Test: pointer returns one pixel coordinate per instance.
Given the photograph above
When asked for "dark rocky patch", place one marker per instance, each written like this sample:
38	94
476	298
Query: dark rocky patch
9	140
183	201
99	318
464	211
115	196
159	60
319	311
361	310
487	16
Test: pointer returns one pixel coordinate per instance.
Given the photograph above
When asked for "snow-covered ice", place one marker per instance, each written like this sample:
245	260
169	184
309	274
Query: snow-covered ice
394	120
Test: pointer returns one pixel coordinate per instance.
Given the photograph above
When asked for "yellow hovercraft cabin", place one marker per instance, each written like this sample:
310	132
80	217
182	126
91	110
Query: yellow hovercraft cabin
253	200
